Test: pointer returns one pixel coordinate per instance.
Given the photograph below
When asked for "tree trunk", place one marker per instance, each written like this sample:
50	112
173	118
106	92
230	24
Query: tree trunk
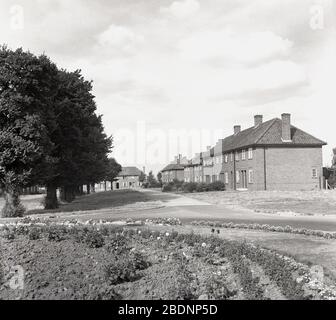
93	189
13	206
88	189
69	192
112	185
62	194
51	198
105	185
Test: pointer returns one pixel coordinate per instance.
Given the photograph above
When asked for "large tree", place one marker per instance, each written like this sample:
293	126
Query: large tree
26	94
113	169
80	144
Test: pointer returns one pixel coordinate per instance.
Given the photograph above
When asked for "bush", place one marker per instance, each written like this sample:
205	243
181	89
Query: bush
34	233
125	268
168	187
56	233
217	186
189	187
94	239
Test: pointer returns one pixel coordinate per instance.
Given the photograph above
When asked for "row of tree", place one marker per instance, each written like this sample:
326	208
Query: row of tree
50	133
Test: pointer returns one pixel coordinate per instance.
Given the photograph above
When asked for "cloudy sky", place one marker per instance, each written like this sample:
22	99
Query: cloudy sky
175	76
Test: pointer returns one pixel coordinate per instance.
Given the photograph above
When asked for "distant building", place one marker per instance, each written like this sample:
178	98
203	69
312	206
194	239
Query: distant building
128	178
271	155
175	170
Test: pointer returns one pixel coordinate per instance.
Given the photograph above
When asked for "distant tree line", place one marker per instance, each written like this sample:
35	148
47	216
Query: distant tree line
50	133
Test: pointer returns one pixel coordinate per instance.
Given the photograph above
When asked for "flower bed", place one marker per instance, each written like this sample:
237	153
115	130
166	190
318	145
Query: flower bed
98	260
266	227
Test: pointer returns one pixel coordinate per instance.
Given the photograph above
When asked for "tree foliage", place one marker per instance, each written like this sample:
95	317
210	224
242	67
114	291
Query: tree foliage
50	133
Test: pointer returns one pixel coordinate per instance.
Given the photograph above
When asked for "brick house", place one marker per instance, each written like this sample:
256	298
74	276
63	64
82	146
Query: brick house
128	178
175	170
271	155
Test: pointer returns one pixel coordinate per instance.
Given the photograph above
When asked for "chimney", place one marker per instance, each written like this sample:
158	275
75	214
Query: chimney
258	119
236	129
286	127
144	170
208	148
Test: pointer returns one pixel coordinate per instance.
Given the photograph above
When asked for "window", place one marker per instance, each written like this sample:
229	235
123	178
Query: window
237	156
231	156
250	176
226	158
250	153
314	173
243	154
226	178
237	176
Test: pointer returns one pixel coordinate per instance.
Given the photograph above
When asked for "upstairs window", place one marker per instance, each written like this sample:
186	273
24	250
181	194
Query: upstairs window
314	173
231	156
243	154
237	156
226	158
250	153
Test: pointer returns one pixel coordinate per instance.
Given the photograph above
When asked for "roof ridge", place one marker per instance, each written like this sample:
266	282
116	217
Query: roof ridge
269	127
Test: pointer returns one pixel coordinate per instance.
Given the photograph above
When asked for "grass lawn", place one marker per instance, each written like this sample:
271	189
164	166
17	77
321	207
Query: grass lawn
302	202
94	201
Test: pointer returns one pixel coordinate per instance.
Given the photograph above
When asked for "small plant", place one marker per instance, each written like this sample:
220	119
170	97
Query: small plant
56	233
94	239
125	268
34	233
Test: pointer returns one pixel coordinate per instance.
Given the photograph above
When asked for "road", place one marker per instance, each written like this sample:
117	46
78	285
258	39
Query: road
188	209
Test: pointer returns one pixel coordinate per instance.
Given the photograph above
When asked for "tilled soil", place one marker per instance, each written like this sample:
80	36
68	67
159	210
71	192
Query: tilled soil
69	269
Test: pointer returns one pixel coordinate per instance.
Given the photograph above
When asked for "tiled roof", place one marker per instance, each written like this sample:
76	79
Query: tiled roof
268	133
129	171
173	166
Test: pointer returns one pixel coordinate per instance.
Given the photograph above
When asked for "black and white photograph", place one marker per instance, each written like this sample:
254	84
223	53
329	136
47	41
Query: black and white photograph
156	151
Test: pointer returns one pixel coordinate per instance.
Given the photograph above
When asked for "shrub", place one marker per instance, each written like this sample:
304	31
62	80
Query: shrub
94	239
34	233
217	186
56	233
189	187
125	268
168	187
202	187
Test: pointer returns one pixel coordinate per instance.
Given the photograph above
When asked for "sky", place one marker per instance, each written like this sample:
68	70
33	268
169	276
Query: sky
175	76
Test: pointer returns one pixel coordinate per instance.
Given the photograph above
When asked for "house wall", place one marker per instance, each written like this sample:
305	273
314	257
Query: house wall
131	182
291	168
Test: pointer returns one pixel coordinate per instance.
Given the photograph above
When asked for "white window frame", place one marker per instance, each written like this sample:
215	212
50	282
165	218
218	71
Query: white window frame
250	153
243	154
226	158
250	176
237	176
226	177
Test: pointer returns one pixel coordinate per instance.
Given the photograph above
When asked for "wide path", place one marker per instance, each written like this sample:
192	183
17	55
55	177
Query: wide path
188	209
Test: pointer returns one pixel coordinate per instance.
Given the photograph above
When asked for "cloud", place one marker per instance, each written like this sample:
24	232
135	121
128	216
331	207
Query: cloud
182	9
227	48
119	39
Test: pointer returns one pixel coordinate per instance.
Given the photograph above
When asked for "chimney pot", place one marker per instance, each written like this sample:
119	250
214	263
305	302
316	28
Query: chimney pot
258	119
286	127
236	129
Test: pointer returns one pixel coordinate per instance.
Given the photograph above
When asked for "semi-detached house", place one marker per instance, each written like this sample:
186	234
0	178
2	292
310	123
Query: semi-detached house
271	155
